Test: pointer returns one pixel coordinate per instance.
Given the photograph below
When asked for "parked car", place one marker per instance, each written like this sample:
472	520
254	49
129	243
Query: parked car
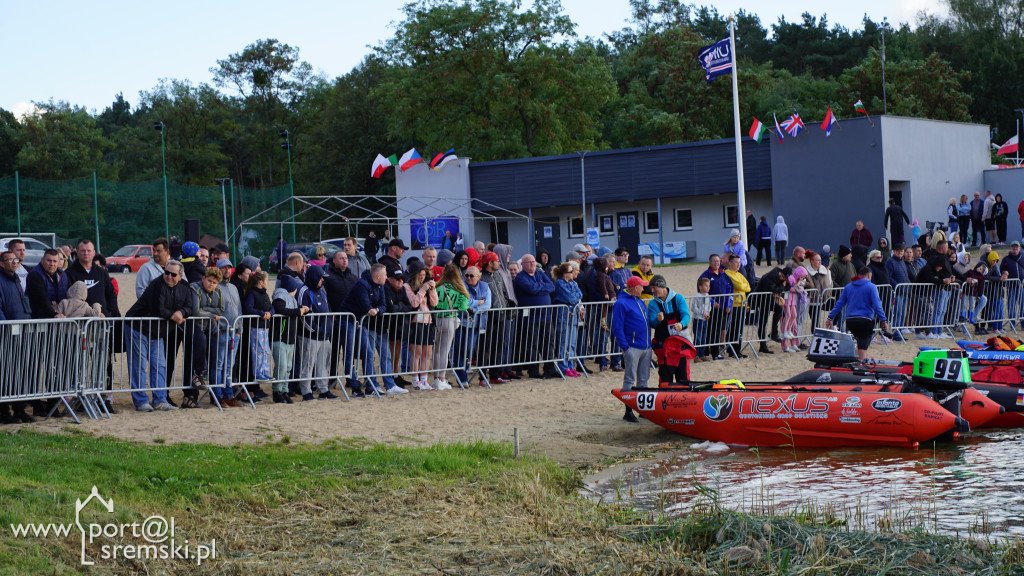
308	249
129	258
34	250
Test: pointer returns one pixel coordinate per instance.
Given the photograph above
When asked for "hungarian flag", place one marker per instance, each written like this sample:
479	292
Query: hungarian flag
793	125
380	164
442	159
859	107
1009	148
778	131
757	130
409	159
829	120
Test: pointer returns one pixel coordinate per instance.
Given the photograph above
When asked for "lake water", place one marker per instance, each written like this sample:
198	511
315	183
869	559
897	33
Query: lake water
972	486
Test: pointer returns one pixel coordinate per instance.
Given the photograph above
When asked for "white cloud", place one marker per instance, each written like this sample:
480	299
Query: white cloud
22	109
907	10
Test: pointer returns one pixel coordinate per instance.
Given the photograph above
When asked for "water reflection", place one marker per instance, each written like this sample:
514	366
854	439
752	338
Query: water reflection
974	486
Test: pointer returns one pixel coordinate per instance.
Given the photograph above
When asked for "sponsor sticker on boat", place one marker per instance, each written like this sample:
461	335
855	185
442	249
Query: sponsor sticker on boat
934	414
1020	397
887	404
718	408
852	402
683	422
849	419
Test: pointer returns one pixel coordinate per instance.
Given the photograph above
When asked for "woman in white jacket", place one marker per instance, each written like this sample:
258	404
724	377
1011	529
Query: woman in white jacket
780	235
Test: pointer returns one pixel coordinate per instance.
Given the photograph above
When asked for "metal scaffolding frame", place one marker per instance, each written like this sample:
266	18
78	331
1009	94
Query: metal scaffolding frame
378	210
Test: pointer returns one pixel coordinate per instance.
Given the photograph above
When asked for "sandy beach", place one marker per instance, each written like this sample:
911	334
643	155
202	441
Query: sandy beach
575	421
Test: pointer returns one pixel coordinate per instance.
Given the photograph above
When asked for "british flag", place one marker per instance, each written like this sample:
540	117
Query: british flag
793	125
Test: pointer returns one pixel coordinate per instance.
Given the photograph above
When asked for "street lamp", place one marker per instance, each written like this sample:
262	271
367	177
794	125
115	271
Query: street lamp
159	127
287	145
224	201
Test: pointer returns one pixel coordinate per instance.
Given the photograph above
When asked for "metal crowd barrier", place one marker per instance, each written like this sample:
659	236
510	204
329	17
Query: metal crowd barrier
525	336
997	315
151	364
926	308
716	331
40	360
586	333
416	344
320	356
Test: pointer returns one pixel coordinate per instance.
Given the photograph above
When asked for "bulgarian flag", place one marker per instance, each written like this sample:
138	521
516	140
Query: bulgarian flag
409	159
380	164
757	131
829	120
778	130
859	107
1010	147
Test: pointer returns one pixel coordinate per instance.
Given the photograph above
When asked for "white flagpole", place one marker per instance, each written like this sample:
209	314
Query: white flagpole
741	202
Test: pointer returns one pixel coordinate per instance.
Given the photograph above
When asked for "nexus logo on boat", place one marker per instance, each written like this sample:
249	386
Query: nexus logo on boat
799	406
718	408
887	404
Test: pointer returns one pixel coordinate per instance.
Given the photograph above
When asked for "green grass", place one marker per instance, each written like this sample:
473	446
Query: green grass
355	507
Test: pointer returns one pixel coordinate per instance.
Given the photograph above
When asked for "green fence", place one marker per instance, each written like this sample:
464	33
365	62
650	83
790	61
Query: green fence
121	213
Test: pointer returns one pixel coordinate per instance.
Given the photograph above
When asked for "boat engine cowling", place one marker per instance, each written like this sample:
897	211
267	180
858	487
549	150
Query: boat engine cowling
832	348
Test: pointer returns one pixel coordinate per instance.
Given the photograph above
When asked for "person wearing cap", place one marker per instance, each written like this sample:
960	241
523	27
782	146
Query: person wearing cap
393	259
218	251
668	314
644	271
862	308
194	268
633	336
397	325
584	251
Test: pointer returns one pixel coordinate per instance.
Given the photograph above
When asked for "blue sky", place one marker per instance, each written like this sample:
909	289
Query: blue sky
87	52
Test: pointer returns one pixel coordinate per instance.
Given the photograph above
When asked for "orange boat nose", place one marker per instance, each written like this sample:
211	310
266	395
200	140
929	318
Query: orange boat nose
978	408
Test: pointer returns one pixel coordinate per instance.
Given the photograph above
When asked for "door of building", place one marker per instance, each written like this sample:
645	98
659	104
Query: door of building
548	235
629	233
499	232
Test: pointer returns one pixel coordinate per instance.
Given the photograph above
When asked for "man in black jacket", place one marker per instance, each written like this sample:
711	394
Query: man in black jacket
99	290
168	298
774	282
338	282
891	221
397	323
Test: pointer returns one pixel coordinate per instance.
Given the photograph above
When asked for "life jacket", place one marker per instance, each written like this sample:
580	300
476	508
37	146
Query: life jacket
1004	343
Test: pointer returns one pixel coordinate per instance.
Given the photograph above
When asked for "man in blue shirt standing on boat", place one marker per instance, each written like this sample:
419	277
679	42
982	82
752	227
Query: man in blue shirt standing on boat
633	336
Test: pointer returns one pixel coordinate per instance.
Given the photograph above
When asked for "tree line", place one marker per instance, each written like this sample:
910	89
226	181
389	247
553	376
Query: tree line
496	81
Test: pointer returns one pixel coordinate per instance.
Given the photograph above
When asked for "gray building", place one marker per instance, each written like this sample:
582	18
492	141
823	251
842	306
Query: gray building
686	193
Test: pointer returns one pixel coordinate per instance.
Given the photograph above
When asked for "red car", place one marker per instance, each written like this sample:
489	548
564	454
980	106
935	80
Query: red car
130	258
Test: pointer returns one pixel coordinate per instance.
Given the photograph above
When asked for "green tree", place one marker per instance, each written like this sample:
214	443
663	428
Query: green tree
62	142
928	88
10	142
270	81
492	80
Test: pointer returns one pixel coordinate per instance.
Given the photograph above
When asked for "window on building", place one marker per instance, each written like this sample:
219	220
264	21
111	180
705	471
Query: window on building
576	227
684	219
651	222
731	216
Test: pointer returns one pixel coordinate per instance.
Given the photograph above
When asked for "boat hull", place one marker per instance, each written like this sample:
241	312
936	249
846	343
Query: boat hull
789	417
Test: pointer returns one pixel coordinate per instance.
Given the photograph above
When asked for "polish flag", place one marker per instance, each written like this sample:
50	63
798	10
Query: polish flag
1009	148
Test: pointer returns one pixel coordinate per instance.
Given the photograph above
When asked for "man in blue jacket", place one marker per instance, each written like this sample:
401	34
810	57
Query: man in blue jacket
896	268
633	337
863	306
534	288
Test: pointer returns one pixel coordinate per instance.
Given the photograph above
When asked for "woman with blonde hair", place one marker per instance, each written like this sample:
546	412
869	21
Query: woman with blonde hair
452	299
320	257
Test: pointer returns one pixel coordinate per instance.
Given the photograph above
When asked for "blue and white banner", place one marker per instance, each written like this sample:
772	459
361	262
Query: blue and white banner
716	59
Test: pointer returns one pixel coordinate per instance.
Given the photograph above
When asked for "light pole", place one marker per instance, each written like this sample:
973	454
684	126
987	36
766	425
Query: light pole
1017	156
224	202
159	127
287	145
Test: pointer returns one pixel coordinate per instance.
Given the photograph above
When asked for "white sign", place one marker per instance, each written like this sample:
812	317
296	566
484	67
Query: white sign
547	231
593	238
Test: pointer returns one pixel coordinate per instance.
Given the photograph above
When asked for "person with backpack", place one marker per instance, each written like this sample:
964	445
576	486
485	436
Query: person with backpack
669	315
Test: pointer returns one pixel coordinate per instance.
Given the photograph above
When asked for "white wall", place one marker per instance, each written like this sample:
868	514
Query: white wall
941	160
